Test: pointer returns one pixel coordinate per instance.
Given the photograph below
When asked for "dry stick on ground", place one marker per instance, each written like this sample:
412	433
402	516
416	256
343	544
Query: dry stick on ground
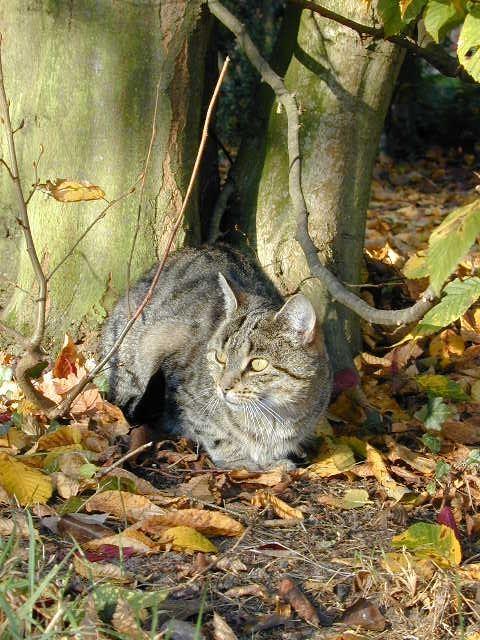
336	289
64	406
33	354
434	54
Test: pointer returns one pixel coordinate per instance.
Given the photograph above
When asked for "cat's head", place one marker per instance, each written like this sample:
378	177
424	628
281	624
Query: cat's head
268	361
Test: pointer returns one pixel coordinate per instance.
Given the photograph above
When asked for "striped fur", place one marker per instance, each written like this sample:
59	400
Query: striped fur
169	368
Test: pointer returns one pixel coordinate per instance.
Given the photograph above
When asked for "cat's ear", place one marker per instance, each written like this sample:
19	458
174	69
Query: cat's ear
231	302
299	314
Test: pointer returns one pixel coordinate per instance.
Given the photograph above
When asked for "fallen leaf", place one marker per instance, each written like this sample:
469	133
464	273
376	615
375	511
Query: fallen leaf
26	484
435	541
125	622
65	486
80	529
392	488
60	438
123	505
414	459
221	630
445	516
364	613
18	523
129	538
183	538
335	458
68	359
353	499
282	509
210	523
463	431
398	563
290	593
257	590
67	190
99	571
266	478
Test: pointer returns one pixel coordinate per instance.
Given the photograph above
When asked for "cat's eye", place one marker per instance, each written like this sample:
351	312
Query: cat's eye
258	364
220	357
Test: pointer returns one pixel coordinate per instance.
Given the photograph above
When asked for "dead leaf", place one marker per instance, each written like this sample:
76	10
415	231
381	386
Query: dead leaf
334	459
392	488
123	505
365	614
210	523
60	438
67	190
266	478
463	431
65	486
129	538
290	593
231	565
26	484
353	499
125	622
282	509
257	590
68	359
100	571
81	530
222	630
412	458
18	523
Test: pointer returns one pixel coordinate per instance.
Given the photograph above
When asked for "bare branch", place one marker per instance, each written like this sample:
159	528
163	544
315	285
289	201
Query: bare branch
334	286
434	54
23	216
140	199
2	161
64	406
37	180
219	210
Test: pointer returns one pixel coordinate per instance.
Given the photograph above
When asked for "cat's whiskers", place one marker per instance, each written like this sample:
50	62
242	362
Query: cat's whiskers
272	412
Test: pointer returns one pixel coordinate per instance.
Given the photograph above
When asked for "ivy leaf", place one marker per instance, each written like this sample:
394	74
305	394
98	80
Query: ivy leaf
459	296
434	445
450	241
441	16
468	50
442	387
434	414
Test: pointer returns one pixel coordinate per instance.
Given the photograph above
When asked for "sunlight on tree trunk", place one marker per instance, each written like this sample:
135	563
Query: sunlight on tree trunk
83	75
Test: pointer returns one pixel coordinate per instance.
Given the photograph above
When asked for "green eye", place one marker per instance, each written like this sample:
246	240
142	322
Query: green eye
258	364
220	357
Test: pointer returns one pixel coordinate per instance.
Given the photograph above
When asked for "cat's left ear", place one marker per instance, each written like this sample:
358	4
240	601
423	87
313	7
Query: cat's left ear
231	302
299	314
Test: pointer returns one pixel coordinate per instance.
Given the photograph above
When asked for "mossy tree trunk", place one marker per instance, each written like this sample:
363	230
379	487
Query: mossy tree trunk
343	88
83	75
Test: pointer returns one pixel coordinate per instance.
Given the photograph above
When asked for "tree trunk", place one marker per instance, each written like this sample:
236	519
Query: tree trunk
343	88
83	74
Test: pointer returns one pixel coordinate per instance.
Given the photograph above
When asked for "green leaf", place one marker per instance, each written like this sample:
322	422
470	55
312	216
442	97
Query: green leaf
434	541
442	469
410	9
473	457
88	470
389	11
450	241
434	445
416	267
442	387
441	16
468	49
434	414
459	296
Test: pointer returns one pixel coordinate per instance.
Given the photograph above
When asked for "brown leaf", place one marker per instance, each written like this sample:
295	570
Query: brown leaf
66	487
210	523
200	487
136	540
142	486
364	614
464	431
110	420
123	505
68	359
60	438
125	622
100	571
290	593
412	458
256	590
392	488
222	630
282	509
18	523
266	478
67	190
81	530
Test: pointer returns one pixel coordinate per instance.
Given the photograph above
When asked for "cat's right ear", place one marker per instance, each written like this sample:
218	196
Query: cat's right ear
231	302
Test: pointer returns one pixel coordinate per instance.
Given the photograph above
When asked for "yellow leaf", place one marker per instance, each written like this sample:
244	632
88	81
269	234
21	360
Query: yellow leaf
14	438
434	541
28	485
392	488
65	190
59	438
281	508
123	505
187	539
475	391
337	459
353	499
211	523
398	563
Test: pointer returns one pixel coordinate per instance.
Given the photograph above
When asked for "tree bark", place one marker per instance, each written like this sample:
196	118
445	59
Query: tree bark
344	88
83	75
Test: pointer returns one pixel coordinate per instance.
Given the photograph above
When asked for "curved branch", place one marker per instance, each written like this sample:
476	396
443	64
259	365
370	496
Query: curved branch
334	286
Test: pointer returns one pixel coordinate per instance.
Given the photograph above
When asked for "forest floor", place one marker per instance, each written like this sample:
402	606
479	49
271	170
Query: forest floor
376	537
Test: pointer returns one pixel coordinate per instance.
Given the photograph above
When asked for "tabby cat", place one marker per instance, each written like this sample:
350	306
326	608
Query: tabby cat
219	357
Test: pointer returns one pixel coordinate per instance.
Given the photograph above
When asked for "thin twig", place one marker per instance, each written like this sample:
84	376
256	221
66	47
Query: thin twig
338	292
434	54
64	406
101	215
140	199
105	471
37	180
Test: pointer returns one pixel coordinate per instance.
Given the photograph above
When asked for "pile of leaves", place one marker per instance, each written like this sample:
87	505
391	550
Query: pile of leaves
104	536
